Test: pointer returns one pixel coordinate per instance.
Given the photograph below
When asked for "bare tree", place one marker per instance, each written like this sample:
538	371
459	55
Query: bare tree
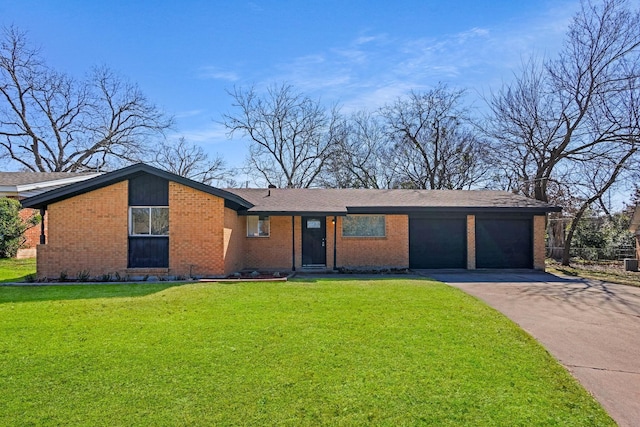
291	135
435	146
574	121
191	161
360	158
50	121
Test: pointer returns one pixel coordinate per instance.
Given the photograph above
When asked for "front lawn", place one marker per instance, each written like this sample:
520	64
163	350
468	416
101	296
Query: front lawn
336	352
16	270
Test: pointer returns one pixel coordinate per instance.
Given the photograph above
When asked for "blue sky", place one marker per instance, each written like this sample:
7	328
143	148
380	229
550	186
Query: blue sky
359	54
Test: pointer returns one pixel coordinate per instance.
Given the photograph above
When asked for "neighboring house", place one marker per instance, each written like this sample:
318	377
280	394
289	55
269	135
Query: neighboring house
20	185
141	220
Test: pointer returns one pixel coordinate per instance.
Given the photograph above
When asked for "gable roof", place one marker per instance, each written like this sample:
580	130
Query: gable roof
343	201
42	200
27	184
298	201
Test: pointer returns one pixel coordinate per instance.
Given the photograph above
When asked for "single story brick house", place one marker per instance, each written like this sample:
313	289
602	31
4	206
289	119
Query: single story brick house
142	220
20	185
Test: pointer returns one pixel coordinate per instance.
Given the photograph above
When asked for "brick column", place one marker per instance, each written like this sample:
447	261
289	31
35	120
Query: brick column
539	230
471	242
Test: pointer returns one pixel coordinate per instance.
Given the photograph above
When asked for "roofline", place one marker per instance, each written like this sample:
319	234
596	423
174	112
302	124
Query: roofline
437	209
408	210
55	182
292	213
40	201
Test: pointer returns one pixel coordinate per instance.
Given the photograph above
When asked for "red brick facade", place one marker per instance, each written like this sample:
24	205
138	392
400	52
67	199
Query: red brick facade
32	235
196	232
87	233
389	251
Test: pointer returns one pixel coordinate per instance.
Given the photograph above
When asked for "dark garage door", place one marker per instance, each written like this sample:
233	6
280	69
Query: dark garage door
504	242
436	242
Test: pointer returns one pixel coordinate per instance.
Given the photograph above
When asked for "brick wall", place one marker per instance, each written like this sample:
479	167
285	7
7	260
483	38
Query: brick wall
86	233
32	235
471	242
273	252
196	232
233	241
389	251
539	230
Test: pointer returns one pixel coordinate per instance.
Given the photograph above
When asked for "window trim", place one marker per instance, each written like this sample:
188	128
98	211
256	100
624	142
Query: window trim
383	236
131	234
260	218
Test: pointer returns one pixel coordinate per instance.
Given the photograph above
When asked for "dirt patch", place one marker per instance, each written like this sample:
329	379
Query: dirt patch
609	271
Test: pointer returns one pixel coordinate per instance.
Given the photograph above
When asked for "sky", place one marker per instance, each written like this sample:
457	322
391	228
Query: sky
358	54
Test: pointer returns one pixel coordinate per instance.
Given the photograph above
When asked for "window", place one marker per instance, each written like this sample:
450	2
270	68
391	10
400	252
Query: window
363	226
258	226
149	221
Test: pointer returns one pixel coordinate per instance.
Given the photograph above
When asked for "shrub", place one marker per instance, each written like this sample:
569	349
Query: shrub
83	276
12	227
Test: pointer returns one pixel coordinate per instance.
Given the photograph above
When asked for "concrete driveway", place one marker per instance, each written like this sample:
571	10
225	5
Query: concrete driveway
591	327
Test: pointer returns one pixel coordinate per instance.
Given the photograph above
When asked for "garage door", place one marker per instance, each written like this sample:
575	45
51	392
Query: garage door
504	242
436	242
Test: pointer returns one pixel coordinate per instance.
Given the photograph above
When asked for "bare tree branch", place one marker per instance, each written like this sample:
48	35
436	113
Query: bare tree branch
191	161
52	122
291	135
435	145
574	120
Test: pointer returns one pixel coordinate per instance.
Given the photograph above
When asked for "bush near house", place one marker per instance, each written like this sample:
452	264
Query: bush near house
12	227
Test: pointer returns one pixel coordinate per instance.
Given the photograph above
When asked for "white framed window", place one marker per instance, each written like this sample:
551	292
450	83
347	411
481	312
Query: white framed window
149	221
258	226
363	226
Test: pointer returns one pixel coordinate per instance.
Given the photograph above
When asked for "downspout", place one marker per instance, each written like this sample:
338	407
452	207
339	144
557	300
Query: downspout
335	241
43	237
293	243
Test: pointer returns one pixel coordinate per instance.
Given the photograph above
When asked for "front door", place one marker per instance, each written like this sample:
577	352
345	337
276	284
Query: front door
314	240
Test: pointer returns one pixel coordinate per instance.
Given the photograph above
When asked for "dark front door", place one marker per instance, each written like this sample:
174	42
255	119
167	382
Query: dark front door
314	240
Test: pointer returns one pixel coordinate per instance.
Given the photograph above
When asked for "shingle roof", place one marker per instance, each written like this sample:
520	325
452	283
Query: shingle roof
28	184
58	194
341	201
24	178
317	201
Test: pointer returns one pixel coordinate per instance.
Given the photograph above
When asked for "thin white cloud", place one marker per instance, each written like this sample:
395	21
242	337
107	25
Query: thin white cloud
374	69
212	72
212	134
189	113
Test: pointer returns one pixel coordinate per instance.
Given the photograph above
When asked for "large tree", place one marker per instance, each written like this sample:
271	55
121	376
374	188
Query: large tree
435	145
50	121
291	135
191	161
361	157
571	125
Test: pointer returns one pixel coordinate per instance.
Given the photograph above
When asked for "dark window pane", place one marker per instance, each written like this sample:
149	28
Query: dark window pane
139	220
159	221
363	226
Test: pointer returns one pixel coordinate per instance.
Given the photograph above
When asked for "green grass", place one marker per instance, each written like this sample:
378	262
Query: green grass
16	270
326	352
